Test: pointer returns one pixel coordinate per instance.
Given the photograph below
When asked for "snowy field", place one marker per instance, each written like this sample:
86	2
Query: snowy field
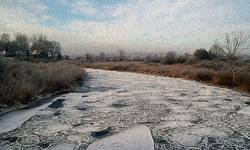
180	114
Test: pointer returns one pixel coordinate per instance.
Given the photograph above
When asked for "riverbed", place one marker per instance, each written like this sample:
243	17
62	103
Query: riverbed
180	114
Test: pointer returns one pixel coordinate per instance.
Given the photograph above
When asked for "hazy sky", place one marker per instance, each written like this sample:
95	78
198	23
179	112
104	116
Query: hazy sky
135	25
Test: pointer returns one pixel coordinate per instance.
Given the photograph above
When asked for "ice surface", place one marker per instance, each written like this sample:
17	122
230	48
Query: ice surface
207	117
55	128
186	140
63	147
14	119
245	111
138	138
207	131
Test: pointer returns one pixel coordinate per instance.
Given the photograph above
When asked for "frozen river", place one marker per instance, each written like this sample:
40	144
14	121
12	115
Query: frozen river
180	114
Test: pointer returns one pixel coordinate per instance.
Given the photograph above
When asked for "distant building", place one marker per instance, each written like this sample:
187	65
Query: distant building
35	52
2	52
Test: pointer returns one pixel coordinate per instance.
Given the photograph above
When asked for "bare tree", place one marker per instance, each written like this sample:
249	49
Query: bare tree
55	50
233	45
122	54
4	41
39	44
102	57
44	48
148	58
89	58
215	51
23	43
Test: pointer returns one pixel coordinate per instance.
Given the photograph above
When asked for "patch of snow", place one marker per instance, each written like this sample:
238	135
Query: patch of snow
74	138
181	117
177	124
63	147
245	111
55	128
138	138
14	119
207	131
84	129
185	139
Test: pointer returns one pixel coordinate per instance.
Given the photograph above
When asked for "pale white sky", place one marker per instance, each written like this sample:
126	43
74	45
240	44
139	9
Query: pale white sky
135	25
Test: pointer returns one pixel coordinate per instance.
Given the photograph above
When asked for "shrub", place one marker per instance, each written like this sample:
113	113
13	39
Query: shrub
182	59
243	81
170	58
191	60
215	51
204	75
210	65
223	78
201	54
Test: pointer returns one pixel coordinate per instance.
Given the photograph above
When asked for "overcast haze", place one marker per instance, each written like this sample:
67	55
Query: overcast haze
135	25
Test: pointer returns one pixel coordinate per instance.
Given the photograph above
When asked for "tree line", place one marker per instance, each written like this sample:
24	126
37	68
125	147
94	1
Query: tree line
37	46
228	50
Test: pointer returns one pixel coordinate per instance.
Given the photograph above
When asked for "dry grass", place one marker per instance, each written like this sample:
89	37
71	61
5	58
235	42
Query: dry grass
244	81
207	71
21	81
223	78
176	71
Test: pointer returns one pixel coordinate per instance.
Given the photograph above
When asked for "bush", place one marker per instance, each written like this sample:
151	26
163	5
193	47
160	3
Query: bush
170	58
223	78
201	54
191	61
215	52
210	65
243	81
204	75
182	59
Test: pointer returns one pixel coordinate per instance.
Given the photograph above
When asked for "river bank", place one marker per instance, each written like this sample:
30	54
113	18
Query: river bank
22	82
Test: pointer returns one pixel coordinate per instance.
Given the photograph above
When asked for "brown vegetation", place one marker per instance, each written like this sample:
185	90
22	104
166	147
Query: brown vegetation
222	65
205	71
21	81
